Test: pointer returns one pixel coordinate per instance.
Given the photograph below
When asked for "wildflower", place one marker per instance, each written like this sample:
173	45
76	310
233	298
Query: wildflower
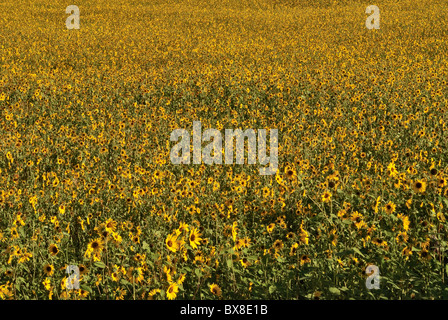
195	238
110	225
357	218
390	208
47	284
304	259
326	196
215	289
172	243
278	245
53	249
172	291
245	262
419	186
48	269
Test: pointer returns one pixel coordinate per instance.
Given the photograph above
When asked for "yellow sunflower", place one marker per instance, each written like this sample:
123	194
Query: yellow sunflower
48	269
172	291
215	289
172	243
419	186
195	238
390	208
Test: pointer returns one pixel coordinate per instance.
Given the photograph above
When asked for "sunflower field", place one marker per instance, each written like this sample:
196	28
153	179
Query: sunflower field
87	185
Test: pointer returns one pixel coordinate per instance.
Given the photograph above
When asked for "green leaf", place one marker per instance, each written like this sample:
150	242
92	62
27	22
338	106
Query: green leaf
22	233
99	264
87	288
335	290
358	252
272	289
124	282
230	263
198	272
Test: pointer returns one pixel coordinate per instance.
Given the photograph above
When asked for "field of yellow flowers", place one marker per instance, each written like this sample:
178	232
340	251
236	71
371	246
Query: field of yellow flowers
85	172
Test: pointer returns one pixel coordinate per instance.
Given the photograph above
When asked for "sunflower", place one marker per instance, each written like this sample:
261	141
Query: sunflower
290	173
390	208
110	225
53	249
433	172
95	245
135	275
326	196
357	219
246	242
115	276
304	259
293	250
182	227
266	192
172	243
83	269
172	291
215	289
244	262
152	293
181	279
379	242
290	235
343	214
278	245
406	252
419	186
442	182
402	237
48	269
83	293
424	254
195	238
270	227
440	216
